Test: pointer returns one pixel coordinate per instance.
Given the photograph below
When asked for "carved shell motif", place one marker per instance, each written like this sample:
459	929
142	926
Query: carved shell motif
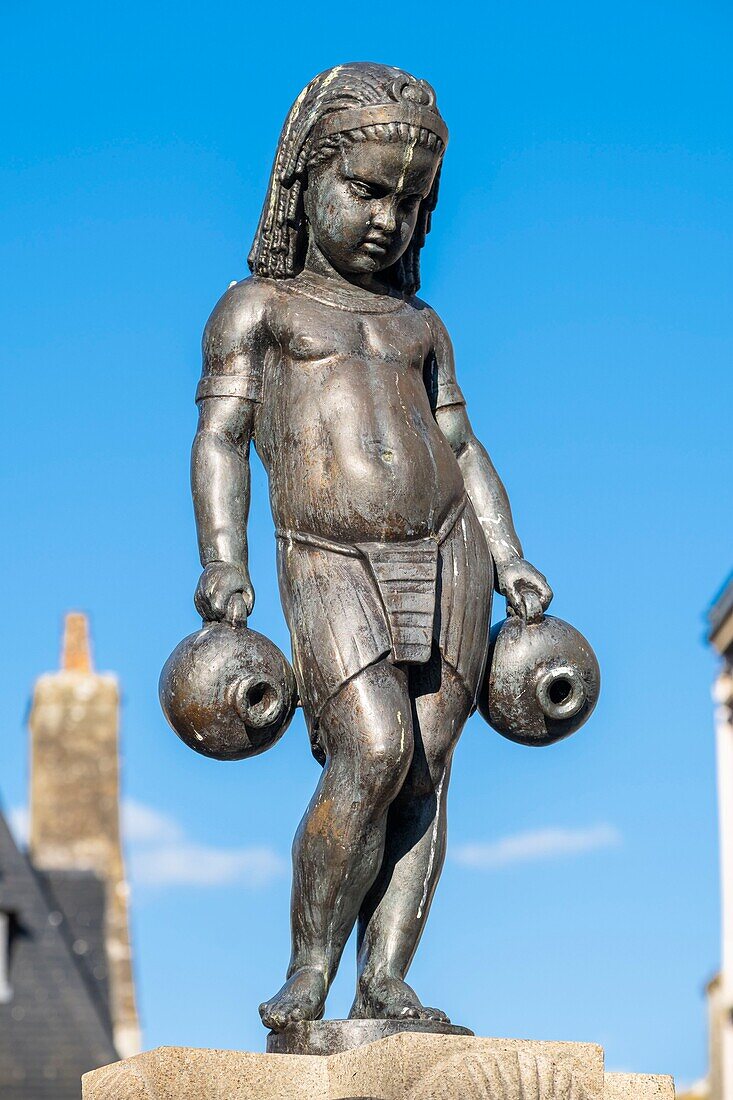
511	1075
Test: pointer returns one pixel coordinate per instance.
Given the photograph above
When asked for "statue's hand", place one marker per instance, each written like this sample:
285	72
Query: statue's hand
527	592
220	581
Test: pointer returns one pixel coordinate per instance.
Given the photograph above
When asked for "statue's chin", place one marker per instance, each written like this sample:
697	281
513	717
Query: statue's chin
359	264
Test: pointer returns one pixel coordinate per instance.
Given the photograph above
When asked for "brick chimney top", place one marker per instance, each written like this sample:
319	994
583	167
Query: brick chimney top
76	655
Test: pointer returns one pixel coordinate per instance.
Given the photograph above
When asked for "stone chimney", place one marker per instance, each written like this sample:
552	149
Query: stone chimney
74	805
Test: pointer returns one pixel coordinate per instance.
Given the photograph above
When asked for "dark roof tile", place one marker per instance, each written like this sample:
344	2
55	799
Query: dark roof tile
54	1027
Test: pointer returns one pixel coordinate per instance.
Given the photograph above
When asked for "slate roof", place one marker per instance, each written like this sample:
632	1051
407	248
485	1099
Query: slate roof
56	1025
79	896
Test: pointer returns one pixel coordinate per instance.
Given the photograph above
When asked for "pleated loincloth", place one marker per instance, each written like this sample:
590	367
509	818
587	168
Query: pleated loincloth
348	607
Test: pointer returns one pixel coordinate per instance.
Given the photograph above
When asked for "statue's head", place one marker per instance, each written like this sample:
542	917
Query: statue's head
356	171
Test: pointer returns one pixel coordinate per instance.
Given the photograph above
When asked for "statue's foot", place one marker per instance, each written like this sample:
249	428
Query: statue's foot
386	998
303	997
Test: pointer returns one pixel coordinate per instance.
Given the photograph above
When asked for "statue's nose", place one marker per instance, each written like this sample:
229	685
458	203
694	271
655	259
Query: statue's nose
383	216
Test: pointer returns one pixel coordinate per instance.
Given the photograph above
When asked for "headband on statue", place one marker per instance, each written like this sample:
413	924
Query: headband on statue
413	104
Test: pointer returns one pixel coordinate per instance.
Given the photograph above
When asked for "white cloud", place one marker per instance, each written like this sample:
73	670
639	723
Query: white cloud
700	1087
536	845
20	822
160	855
142	824
190	864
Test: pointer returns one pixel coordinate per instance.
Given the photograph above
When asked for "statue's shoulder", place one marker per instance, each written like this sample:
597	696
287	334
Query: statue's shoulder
240	317
437	328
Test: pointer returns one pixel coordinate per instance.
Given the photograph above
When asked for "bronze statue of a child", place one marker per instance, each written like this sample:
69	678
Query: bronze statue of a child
393	527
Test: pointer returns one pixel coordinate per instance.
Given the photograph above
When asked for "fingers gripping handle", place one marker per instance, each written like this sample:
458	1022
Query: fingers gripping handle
237	610
532	607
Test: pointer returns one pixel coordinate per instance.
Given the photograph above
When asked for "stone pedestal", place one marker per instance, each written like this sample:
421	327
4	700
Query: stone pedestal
404	1066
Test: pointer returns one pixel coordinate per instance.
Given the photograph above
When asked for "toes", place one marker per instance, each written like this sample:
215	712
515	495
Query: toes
301	998
269	1018
277	1017
276	1021
393	999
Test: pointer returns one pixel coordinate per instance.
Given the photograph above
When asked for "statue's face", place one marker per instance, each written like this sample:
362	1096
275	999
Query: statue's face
363	203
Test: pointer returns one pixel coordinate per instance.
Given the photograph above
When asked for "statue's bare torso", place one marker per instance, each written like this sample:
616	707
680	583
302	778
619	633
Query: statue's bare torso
345	428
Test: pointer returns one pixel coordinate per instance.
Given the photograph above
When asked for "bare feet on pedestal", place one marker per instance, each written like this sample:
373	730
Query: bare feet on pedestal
303	997
386	998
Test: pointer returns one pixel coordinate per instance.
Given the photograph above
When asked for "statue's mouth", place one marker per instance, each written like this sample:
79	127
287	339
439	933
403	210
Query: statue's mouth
377	245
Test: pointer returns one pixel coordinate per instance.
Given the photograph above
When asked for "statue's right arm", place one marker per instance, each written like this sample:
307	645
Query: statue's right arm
220	483
234	346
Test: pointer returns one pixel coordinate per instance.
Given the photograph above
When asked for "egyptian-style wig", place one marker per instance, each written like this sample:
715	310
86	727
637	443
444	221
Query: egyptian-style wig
360	101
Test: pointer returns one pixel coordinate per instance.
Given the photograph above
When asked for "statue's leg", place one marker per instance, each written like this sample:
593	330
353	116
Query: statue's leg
338	849
394	912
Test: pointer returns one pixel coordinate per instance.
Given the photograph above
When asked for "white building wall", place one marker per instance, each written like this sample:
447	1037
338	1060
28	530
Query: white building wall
721	1075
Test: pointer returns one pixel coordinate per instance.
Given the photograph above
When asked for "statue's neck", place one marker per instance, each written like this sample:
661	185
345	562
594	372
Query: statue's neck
317	264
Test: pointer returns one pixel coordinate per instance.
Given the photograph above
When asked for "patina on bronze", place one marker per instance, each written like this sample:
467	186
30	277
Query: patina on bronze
393	527
542	680
227	691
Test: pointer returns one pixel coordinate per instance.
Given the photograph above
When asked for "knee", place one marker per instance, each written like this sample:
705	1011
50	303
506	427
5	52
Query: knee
428	773
369	735
384	758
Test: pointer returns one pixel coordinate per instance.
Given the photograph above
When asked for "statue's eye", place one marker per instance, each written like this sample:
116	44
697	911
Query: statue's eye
363	190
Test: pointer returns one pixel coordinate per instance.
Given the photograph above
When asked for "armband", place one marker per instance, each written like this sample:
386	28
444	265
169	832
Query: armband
449	393
230	385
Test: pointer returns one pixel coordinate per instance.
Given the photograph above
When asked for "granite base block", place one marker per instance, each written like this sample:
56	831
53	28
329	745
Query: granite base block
406	1066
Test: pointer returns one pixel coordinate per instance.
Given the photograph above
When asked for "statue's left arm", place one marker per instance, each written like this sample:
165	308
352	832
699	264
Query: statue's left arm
525	588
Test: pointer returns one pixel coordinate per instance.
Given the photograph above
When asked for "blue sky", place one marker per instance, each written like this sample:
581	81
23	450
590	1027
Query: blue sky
581	259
